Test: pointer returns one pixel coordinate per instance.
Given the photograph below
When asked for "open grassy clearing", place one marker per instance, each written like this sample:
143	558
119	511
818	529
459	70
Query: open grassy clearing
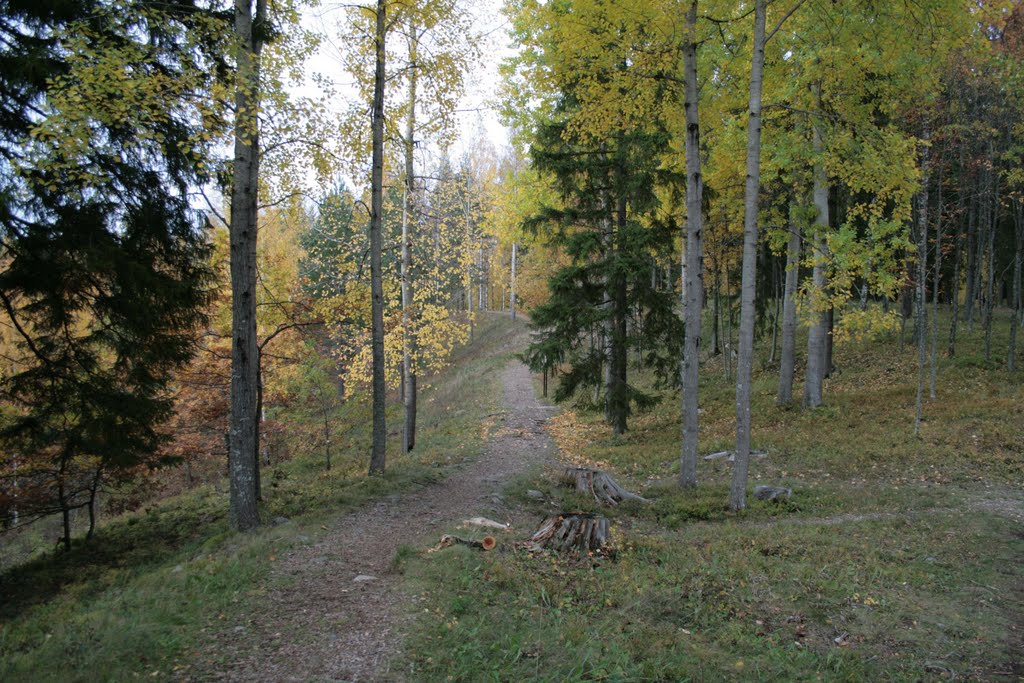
151	586
898	558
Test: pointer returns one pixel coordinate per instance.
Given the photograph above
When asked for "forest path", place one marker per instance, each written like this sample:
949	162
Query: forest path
341	611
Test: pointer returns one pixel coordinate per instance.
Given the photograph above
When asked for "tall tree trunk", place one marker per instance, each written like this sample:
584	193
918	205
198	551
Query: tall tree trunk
259	419
716	313
748	288
469	262
94	501
408	314
816	334
512	284
936	281
694	257
920	291
830	325
990	293
972	262
777	313
957	258
1018	257
378	453
65	513
788	359
244	426
619	361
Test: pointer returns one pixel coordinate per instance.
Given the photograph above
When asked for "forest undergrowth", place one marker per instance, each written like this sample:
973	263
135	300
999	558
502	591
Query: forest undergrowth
155	583
897	557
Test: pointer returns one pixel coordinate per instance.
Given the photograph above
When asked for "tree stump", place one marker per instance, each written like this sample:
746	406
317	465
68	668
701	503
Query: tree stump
601	485
572	532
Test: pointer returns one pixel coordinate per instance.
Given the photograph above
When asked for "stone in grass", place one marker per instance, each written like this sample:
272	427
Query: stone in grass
535	494
363	578
772	493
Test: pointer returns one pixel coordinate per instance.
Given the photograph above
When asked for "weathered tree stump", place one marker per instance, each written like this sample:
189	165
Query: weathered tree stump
572	532
599	484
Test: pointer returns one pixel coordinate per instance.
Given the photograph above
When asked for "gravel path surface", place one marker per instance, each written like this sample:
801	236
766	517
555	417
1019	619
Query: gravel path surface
341	618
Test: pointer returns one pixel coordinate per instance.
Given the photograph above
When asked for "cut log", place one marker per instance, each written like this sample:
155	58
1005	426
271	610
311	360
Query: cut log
572	532
601	485
484	522
485	543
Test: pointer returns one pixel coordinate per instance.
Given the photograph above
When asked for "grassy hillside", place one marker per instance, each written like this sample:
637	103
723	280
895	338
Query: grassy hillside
139	598
898	558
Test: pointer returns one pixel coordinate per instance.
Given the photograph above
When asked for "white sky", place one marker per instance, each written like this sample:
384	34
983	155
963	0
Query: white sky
477	116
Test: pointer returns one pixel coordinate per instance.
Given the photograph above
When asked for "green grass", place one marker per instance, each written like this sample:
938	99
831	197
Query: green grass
141	596
887	564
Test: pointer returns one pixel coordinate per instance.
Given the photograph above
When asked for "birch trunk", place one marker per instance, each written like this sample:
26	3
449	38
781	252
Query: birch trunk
378	452
408	314
512	289
748	287
694	257
243	513
816	334
788	357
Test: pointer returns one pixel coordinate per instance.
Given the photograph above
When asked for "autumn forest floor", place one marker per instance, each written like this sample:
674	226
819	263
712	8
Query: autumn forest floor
897	558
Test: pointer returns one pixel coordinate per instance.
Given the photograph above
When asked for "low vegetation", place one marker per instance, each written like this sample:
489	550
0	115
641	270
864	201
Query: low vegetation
138	598
897	558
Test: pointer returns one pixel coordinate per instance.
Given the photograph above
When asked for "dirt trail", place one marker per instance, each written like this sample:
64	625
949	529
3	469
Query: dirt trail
328	626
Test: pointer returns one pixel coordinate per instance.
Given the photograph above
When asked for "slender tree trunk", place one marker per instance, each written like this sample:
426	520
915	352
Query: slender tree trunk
259	420
694	256
469	262
408	314
816	334
512	291
716	313
920	292
957	258
244	425
830	325
788	361
619	360
93	502
748	288
777	313
1018	257
972	261
378	453
65	513
936	281
990	294
727	322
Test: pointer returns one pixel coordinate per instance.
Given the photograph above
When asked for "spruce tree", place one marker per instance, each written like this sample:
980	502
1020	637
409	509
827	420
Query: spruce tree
603	305
104	270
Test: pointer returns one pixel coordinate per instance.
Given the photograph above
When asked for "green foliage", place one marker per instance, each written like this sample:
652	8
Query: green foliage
104	263
890	562
141	598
